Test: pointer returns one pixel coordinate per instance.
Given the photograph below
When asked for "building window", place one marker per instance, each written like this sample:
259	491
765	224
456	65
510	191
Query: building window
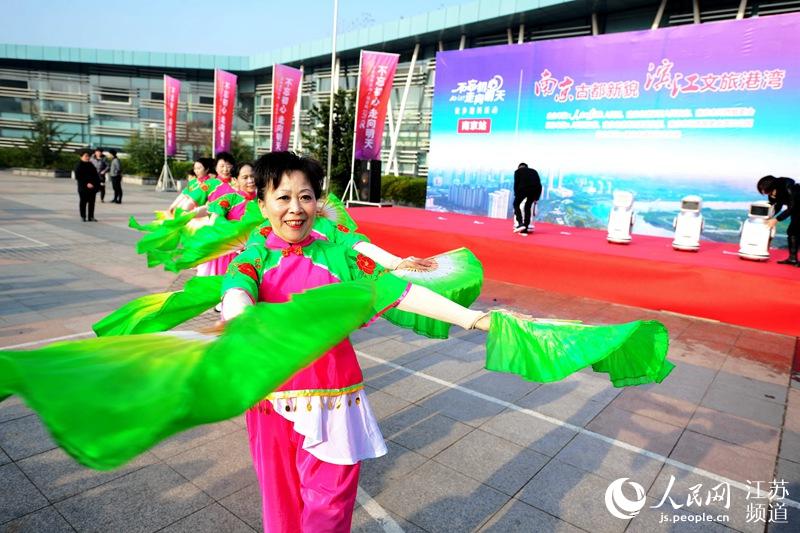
14	84
108	98
157	96
207	100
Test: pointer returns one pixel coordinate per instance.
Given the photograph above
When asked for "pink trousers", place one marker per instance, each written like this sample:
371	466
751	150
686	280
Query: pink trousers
299	493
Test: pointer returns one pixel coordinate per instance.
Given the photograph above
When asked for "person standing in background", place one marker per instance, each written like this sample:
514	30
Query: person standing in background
527	186
100	164
784	194
115	173
88	184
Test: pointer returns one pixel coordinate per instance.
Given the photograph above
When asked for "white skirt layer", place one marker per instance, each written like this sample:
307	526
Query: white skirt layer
339	429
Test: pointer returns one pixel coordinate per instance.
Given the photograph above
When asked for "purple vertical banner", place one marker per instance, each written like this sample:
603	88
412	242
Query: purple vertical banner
375	79
285	90
224	103
172	94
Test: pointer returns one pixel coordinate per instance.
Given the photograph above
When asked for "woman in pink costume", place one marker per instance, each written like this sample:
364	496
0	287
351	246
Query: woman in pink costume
231	206
309	437
226	172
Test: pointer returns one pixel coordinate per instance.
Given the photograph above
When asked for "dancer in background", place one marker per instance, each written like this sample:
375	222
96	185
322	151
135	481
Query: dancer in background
226	171
196	192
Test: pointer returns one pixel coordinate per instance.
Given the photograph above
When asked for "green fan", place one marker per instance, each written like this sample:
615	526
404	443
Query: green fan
199	244
633	353
458	276
106	400
163	311
163	233
333	209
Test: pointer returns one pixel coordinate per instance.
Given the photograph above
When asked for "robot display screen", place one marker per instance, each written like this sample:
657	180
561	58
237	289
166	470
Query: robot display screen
759	210
691	206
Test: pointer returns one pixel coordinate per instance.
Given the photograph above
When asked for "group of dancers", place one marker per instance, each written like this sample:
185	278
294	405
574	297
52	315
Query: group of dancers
293	277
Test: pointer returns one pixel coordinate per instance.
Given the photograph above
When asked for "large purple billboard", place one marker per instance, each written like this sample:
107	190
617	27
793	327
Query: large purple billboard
700	109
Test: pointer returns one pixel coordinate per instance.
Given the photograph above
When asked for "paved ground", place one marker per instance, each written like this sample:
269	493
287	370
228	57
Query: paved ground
468	449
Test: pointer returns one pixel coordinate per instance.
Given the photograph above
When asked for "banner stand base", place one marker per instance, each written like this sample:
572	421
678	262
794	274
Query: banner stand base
166	183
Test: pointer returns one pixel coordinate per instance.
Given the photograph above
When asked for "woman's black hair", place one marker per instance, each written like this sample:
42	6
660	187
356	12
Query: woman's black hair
228	158
207	163
270	168
766	184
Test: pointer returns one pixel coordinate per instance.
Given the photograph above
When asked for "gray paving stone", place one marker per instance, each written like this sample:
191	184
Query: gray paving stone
246	505
529	431
12	408
790	445
376	474
364	523
519	517
422	430
395	351
4	458
210	519
574	406
752	388
461	406
23	437
466	351
573	495
493	461
444	366
789	471
20	496
506	387
220	467
731	400
58	476
437	498
608	461
384	405
46	520
193	438
145	500
403	385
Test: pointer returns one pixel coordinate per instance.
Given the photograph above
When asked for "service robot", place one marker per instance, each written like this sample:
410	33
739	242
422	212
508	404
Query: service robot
621	219
688	224
756	234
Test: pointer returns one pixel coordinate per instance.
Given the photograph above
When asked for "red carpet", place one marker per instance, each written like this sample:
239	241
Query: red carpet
712	283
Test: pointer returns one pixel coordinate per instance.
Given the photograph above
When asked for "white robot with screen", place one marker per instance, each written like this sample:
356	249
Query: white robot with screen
688	224
756	234
621	219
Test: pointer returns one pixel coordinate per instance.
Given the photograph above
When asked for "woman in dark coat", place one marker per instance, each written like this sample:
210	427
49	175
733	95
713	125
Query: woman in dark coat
88	185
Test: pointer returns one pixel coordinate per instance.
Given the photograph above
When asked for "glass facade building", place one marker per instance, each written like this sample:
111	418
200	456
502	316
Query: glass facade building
102	97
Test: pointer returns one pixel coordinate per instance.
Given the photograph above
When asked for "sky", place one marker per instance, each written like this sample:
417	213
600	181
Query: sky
227	27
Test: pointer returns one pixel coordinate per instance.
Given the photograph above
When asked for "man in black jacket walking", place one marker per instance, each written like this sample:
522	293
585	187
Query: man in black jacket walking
527	185
88	184
784	192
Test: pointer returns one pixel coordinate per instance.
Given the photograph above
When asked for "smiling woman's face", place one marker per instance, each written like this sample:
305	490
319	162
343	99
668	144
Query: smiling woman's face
291	207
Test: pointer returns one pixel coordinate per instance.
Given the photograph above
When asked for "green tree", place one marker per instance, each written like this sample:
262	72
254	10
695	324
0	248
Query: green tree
45	144
240	150
145	154
316	141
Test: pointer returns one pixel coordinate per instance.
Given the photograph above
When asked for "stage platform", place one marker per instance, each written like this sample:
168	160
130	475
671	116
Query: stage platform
713	283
